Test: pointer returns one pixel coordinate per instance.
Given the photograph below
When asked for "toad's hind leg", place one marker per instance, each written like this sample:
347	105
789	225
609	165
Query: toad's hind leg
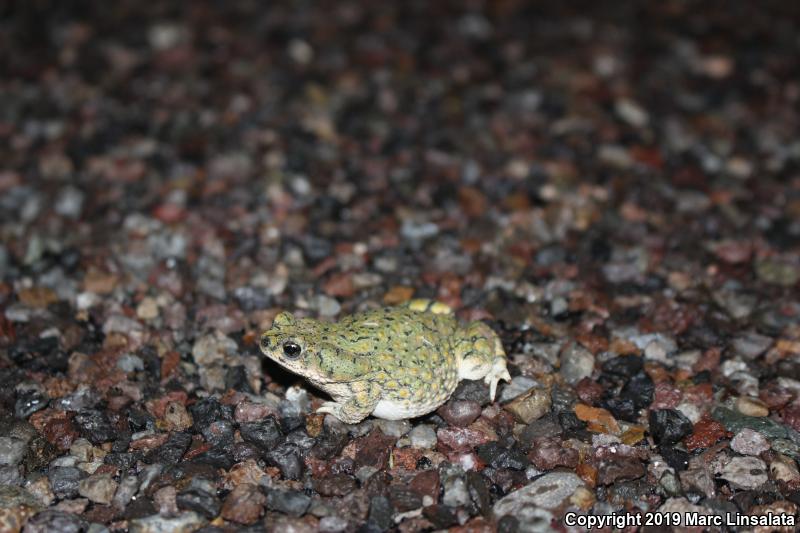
480	355
357	406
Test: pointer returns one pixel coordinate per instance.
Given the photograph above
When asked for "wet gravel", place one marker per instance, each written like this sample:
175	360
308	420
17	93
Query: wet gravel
613	188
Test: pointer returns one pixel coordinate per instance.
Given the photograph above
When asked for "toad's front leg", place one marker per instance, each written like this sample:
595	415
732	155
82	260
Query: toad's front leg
480	354
357	405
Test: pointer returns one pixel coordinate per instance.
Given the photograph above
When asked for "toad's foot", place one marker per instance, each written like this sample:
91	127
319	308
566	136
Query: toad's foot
498	372
338	410
357	407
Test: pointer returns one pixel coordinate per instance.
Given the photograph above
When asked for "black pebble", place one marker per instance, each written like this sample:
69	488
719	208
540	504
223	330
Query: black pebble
122	442
329	443
219	433
242	451
140	420
266	433
573	426
218	457
28	402
625	366
236	379
200	501
668	426
380	513
473	390
64	480
677	459
498	456
171	451
441	516
290	502
636	394
479	492
287	458
95	426
209	410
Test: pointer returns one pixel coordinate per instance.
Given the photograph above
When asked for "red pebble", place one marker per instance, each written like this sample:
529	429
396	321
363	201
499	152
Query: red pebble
666	396
706	432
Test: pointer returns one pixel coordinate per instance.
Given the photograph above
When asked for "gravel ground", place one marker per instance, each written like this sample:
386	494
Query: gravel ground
614	187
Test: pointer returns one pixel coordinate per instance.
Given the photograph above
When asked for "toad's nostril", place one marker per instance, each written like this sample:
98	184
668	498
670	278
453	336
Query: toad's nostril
265	342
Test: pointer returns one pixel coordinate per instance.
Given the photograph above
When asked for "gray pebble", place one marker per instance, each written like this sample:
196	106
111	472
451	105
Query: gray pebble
423	436
12	450
576	363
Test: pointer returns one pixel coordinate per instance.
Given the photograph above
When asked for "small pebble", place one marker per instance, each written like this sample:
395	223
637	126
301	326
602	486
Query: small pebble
530	406
287	458
576	363
548	453
423	436
176	417
455	491
750	345
130	363
518	385
380	513
64	481
749	442
82	450
98	488
127	489
95	426
547	492
293	503
184	522
393	428
747	473
751	406
335	485
669	426
214	348
147	309
12	450
9	475
631	112
783	468
460	412
200	499
52	520
332	524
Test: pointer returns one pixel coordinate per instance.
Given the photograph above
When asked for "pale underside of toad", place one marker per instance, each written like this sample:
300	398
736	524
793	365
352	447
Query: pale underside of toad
394	363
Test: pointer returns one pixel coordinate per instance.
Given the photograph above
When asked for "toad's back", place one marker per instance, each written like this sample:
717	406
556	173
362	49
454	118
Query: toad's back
412	353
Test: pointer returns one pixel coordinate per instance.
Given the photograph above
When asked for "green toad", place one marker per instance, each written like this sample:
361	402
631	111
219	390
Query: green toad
394	363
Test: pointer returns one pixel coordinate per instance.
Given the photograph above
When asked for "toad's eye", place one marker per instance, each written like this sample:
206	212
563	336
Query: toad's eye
291	350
